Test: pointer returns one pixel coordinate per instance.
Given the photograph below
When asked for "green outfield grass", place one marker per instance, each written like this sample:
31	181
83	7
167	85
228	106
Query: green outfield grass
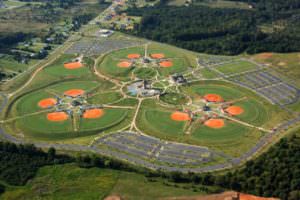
225	91
144	73
83	85
109	66
236	67
110	118
122	54
29	103
159	121
57	68
254	112
179	65
166	50
38	126
231	131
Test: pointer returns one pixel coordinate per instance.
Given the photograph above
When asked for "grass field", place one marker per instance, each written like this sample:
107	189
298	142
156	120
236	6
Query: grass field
226	91
69	182
144	73
58	69
110	118
236	67
105	98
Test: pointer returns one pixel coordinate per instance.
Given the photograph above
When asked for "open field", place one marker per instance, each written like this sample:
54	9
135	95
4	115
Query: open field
236	67
69	182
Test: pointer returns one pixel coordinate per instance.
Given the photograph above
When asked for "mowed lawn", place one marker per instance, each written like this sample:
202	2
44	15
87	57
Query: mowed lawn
83	85
109	66
159	121
57	68
38	126
105	98
110	118
123	53
230	131
179	65
236	67
225	91
254	112
29	102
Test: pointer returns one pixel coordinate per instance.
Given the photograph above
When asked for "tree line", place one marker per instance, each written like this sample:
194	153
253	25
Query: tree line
220	30
275	173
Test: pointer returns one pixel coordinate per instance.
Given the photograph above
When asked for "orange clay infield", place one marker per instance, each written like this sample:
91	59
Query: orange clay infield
213	98
57	116
74	92
73	65
180	116
214	123
234	110
133	56
93	113
124	64
166	64
45	103
157	55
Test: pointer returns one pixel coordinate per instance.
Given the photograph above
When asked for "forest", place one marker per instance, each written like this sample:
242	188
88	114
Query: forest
224	31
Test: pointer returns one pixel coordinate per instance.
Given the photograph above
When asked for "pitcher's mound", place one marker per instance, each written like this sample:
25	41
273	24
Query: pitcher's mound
166	64
57	116
214	123
124	64
213	98
73	65
93	113
46	103
74	92
180	116
234	110
133	56
157	55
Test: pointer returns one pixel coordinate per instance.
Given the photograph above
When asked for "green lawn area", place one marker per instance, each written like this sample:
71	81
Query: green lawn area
179	65
38	126
122	54
144	73
254	112
29	103
225	91
236	67
105	98
69	182
57	68
109	66
8	63
110	118
208	73
64	86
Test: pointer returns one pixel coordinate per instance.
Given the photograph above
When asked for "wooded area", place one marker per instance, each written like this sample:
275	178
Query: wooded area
269	26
